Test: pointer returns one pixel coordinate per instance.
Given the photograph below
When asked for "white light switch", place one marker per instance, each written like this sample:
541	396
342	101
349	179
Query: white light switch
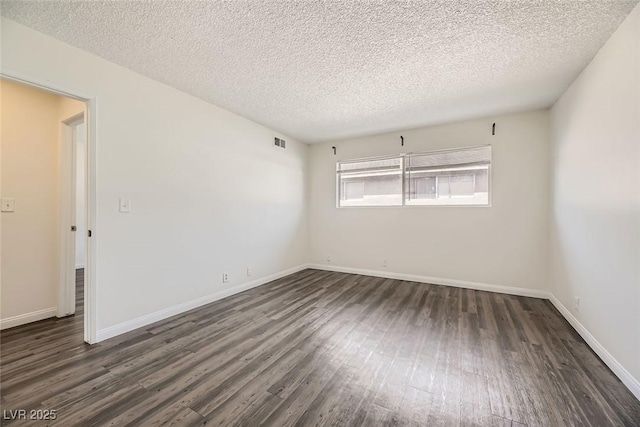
125	205
8	205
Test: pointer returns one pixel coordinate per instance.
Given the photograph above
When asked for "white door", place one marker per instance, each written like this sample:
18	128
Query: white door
72	211
81	228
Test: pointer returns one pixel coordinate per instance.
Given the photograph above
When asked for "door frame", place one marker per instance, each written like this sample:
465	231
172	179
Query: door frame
90	285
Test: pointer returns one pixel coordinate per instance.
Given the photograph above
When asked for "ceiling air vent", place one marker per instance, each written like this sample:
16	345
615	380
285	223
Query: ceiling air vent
280	142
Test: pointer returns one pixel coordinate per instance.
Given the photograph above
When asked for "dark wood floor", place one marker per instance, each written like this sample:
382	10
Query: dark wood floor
322	348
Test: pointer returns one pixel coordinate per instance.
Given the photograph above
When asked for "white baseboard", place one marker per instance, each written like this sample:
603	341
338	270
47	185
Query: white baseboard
147	319
436	281
23	319
625	376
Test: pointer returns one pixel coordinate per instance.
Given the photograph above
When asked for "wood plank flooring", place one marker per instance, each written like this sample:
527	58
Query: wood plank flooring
322	348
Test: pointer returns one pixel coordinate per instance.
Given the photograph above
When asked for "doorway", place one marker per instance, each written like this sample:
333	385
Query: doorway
48	187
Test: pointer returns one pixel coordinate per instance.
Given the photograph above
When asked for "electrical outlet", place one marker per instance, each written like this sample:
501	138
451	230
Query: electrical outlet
328	257
249	271
125	205
225	277
384	263
576	304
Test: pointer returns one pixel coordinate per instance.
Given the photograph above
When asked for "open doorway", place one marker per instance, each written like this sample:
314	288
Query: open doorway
46	199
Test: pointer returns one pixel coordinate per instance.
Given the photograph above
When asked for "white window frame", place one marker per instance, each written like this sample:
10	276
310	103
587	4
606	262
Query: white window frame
405	180
339	188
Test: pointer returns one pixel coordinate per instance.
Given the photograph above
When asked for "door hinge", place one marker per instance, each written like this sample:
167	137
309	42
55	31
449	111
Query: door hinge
89	233
73	228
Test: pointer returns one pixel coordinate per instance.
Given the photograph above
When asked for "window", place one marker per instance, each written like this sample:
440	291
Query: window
444	178
370	182
452	177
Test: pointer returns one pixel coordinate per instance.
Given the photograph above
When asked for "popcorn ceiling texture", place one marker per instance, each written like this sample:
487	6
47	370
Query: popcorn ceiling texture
327	70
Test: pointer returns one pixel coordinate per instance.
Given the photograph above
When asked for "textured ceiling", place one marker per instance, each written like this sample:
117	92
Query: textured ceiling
325	70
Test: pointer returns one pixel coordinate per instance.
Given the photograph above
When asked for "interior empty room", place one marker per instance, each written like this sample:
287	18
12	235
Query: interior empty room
354	213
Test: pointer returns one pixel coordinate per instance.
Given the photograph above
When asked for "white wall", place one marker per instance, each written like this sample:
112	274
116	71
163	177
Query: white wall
596	196
210	192
505	244
29	145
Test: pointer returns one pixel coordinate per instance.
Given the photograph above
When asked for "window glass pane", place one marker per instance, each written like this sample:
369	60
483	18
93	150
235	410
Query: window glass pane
455	177
424	188
370	182
353	190
462	185
443	186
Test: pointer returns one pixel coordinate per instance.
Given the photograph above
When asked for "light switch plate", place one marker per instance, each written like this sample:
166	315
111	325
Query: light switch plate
8	205
125	205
